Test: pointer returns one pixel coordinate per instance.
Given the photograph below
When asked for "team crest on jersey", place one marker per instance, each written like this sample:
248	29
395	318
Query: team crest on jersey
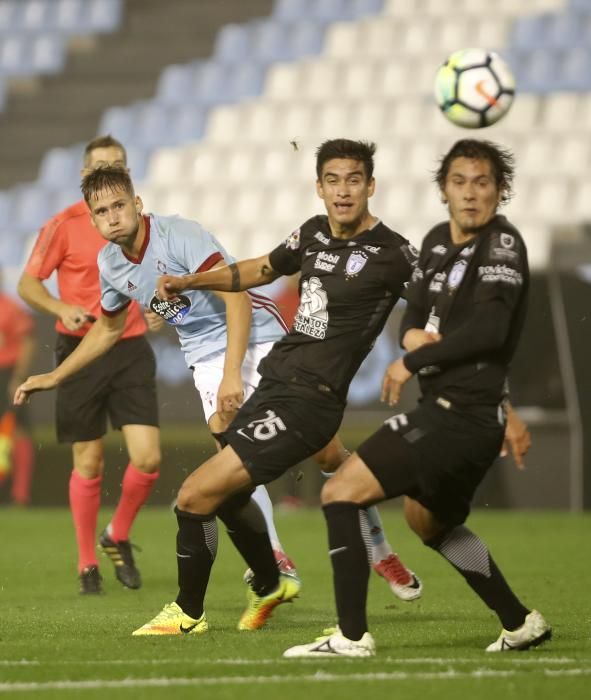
355	263
312	317
293	240
507	240
173	311
457	274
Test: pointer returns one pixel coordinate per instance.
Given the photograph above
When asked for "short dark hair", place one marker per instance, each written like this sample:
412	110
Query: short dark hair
363	151
107	178
501	161
106	141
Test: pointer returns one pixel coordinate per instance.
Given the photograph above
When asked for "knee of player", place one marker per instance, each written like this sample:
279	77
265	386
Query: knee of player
149	463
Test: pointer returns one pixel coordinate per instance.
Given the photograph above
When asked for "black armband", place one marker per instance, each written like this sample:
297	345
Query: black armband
235	284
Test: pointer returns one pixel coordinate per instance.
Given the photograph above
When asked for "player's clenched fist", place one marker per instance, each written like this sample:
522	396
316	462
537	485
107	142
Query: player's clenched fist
168	287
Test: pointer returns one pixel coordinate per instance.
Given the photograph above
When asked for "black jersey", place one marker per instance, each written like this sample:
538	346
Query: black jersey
475	295
347	289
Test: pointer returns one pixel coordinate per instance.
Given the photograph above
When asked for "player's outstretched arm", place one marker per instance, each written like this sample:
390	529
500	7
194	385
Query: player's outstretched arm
100	338
235	277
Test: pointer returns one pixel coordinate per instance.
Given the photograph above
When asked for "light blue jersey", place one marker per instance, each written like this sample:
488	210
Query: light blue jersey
175	246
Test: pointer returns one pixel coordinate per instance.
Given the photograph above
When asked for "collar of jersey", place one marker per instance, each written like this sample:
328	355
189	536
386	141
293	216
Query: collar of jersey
140	257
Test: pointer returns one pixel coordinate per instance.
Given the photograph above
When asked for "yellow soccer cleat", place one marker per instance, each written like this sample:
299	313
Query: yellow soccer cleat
172	620
259	608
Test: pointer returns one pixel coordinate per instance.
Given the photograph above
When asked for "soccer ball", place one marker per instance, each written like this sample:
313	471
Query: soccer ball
474	88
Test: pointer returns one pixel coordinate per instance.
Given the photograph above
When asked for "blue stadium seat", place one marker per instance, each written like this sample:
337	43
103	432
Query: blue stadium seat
103	15
564	31
175	83
293	9
32	207
47	52
210	84
33	16
271	41
575	71
582	6
538	71
188	123
8	13
307	39
365	8
13	250
119	122
246	80
61	165
233	43
529	33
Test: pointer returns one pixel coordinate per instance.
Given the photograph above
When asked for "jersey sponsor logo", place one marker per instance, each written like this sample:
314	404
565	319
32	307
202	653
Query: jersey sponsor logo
131	287
173	311
439	249
506	251
375	249
319	236
263	429
457	274
326	261
293	240
161	267
312	317
355	263
500	273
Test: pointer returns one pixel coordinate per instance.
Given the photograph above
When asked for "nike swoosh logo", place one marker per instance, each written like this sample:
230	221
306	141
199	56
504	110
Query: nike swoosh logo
310	252
332	552
183	556
186	630
244	435
483	93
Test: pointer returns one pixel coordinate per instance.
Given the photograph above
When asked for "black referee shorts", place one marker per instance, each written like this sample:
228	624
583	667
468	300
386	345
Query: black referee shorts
281	425
435	455
120	385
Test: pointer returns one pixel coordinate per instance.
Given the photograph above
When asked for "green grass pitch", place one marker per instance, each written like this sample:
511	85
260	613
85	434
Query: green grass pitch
57	644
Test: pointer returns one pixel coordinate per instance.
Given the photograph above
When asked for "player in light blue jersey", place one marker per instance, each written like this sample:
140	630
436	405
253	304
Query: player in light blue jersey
223	336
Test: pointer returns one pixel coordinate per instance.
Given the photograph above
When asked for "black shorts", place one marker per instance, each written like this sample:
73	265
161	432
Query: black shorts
21	413
435	455
121	385
281	425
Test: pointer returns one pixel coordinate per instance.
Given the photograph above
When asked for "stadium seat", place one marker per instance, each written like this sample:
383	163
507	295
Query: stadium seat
175	84
119	122
564	31
61	165
319	80
166	167
529	33
32	207
292	9
233	43
559	109
306	39
341	36
575	69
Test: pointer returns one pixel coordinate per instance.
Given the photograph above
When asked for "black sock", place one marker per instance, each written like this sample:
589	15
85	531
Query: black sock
350	565
196	549
247	529
467	553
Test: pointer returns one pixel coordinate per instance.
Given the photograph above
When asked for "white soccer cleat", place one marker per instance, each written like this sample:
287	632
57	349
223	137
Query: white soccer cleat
334	646
532	633
403	582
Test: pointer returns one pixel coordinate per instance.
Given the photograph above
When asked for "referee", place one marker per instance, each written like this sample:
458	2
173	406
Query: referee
466	309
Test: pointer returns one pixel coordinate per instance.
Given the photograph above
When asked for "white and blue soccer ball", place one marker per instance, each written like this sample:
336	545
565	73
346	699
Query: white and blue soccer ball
474	88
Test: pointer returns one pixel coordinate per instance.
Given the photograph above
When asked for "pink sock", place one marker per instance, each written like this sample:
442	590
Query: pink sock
135	490
85	500
23	461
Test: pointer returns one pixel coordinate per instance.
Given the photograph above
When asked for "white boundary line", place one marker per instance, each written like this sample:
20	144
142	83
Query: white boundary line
318	677
501	658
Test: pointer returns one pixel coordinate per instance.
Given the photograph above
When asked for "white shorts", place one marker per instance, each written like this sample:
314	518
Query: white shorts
208	374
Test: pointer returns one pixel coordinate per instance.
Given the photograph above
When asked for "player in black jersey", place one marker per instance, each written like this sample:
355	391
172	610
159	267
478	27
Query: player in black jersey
466	307
353	271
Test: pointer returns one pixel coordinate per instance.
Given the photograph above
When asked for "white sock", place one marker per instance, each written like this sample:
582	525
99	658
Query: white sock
262	499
